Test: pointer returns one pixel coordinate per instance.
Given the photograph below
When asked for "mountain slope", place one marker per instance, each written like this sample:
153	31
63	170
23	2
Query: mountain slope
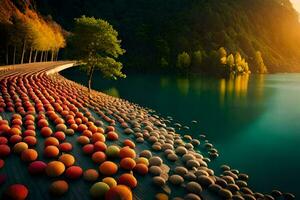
155	31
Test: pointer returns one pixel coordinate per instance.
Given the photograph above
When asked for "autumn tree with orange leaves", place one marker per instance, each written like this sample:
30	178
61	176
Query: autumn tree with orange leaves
28	37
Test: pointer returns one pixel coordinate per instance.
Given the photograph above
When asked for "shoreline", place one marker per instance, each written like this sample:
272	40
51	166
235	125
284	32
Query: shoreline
182	169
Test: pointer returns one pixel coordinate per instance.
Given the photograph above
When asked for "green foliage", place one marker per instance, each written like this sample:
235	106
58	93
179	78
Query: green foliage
96	44
197	58
183	61
152	30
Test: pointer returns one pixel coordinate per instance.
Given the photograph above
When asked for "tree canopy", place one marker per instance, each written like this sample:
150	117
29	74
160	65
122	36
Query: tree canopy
95	42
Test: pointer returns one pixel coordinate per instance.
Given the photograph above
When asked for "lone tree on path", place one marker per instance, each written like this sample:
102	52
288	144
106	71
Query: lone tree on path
96	44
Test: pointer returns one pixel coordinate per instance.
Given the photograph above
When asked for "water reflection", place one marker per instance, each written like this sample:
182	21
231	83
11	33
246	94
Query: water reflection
183	85
234	88
112	92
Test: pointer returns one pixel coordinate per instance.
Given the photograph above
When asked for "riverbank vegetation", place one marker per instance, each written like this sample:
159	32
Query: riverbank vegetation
26	36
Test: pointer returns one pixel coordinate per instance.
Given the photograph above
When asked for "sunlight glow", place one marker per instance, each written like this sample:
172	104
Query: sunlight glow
296	4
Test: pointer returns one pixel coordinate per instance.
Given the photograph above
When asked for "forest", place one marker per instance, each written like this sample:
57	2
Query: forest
183	36
26	36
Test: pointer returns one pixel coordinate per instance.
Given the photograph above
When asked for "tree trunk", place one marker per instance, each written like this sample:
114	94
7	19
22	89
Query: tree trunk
42	55
23	51
52	55
6	55
30	55
90	80
35	56
14	59
57	54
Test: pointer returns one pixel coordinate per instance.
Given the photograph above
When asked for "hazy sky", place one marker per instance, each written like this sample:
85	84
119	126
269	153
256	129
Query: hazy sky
296	4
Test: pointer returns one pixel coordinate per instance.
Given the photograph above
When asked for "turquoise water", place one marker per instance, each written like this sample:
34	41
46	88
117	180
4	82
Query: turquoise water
252	121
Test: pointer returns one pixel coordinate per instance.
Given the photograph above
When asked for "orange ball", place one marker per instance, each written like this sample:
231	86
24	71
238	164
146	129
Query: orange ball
100	146
129	143
108	168
99	157
128	180
51	141
4	128
15	131
91	175
67	159
59	188
55	168
29	155
51	151
83	140
112	136
127	163
119	192
141	169
46	132
111	182
98	137
127	152
82	127
19	147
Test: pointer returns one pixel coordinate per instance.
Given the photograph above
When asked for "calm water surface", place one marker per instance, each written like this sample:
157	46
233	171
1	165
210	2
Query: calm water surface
253	121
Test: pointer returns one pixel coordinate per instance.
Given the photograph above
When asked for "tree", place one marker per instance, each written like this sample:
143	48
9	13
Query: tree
223	55
261	67
183	61
230	62
97	45
197	58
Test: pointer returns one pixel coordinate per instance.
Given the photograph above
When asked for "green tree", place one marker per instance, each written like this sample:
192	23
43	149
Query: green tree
183	61
261	67
197	58
97	45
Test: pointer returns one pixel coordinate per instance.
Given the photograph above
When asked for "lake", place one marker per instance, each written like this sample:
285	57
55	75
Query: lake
253	121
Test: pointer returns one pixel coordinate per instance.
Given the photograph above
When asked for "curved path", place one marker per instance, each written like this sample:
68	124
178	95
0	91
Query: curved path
52	110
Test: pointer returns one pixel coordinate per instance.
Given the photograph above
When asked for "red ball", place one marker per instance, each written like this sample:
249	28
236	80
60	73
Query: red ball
30	140
4	150
16	192
60	135
15	139
99	157
3	140
65	147
88	149
74	172
37	167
